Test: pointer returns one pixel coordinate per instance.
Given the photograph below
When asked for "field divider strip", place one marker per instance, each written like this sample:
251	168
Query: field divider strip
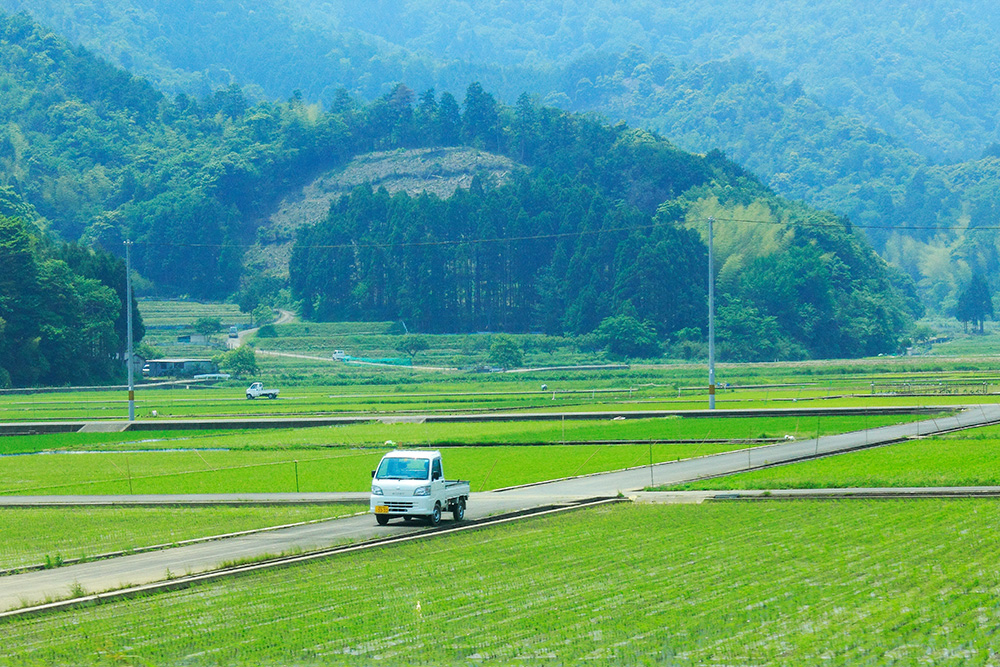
181	583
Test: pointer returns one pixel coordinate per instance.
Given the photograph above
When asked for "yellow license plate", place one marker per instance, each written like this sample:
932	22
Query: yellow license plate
381	509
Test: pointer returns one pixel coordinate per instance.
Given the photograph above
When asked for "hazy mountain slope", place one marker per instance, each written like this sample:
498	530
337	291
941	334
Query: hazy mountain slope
274	49
921	71
775	124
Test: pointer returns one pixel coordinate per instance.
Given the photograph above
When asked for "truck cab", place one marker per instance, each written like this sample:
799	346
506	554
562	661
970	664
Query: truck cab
412	484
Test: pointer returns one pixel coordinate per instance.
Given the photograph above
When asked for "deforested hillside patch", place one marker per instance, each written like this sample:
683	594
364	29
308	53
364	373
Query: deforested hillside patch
437	171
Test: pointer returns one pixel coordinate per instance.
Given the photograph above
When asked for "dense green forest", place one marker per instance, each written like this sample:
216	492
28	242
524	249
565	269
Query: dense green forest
605	226
62	313
853	107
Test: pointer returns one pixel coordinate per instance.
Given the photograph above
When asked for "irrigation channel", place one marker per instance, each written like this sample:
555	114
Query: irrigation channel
176	567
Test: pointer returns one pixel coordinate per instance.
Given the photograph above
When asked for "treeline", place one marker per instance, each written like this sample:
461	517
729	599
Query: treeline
537	254
62	310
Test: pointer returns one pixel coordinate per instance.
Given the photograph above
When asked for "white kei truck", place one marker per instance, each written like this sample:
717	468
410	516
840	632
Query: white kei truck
256	390
412	484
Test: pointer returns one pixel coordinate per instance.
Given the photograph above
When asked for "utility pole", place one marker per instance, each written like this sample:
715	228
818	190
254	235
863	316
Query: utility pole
711	318
128	318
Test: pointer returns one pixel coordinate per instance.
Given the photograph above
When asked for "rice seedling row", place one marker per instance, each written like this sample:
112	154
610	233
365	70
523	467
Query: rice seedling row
837	583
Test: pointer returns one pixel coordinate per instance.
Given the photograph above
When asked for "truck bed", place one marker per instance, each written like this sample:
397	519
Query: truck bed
462	485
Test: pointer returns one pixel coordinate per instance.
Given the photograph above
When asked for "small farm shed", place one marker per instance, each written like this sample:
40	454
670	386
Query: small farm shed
180	367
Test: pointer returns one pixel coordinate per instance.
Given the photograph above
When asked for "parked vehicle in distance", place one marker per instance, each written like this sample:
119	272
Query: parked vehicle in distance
234	332
339	355
412	484
256	390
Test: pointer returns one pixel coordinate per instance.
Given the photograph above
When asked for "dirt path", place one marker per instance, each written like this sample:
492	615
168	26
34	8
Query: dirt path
284	317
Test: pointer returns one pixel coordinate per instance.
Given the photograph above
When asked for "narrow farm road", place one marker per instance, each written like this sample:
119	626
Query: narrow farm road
284	317
117	573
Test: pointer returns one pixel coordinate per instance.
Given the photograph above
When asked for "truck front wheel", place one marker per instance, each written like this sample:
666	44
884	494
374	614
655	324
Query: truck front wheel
435	516
382	519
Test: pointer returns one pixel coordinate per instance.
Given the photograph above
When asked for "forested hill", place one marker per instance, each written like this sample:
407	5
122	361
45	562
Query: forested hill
603	231
602	228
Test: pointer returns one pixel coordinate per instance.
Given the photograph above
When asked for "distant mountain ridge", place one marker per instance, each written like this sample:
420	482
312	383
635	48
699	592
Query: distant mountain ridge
903	67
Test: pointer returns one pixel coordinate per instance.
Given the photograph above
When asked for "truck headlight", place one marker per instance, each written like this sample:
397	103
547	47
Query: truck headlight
376	490
422	491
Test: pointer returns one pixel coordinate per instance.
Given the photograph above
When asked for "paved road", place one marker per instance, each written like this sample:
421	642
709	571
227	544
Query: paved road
112	574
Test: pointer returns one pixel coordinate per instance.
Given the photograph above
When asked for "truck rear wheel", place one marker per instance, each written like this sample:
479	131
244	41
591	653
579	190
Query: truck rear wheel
458	510
435	516
382	519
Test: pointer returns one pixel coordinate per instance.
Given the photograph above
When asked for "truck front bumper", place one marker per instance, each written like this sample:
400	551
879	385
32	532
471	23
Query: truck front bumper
402	505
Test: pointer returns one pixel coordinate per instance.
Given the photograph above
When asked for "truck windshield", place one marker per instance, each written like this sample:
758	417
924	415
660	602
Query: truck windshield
403	468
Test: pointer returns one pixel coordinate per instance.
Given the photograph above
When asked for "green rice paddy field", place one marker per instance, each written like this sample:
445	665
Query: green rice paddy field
967	458
228	401
51	536
191	400
409	434
340	458
768	583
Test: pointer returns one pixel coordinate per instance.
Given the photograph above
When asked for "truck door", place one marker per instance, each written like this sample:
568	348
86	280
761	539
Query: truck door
437	477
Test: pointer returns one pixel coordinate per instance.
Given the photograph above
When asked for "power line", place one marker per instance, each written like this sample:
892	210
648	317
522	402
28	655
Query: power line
589	232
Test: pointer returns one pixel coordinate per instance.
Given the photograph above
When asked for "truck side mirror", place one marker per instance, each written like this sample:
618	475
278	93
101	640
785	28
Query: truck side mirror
373	474
435	475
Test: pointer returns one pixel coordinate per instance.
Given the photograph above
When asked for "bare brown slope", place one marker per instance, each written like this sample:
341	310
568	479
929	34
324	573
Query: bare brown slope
436	171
